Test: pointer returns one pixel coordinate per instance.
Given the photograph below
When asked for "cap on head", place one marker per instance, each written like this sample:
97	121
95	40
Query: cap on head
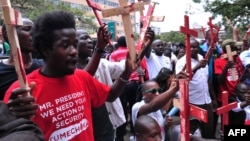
226	42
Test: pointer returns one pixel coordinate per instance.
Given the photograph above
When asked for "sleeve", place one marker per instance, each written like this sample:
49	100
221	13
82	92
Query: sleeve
98	91
238	108
116	68
179	65
135	110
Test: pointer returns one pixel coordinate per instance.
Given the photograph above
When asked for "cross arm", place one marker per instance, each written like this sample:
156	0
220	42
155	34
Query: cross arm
122	10
195	111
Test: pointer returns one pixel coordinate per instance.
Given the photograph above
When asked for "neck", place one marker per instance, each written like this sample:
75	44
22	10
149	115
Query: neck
82	62
26	58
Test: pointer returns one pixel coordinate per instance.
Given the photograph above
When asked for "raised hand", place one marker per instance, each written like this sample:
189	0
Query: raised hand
202	63
230	64
21	103
103	36
149	37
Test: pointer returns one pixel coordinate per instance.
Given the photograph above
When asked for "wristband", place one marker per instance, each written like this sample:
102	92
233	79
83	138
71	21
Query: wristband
98	50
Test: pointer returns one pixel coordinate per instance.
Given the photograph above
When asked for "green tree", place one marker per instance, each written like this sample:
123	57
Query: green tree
33	8
238	11
172	36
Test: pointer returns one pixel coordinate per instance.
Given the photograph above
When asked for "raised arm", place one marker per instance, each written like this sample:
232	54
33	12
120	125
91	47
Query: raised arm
102	40
146	48
159	101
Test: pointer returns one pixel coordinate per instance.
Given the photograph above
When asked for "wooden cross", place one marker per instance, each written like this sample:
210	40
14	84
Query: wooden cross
230	58
235	31
13	18
225	108
146	20
185	108
213	37
125	10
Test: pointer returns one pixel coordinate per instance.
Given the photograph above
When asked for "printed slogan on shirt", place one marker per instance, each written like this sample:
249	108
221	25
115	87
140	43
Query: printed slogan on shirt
67	114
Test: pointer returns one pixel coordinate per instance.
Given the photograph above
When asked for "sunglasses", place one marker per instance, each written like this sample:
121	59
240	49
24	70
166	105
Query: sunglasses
153	91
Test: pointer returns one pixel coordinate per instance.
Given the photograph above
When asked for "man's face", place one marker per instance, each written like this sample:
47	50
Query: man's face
63	56
242	92
85	44
150	91
194	48
23	33
158	47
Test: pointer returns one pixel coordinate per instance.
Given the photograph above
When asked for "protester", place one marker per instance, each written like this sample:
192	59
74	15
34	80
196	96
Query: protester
147	129
7	70
153	99
240	114
61	101
156	59
222	67
199	90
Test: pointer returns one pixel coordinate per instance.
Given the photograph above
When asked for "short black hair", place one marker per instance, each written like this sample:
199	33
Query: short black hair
45	25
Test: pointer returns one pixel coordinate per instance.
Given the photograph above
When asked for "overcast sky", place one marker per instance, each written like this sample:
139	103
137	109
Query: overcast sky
174	11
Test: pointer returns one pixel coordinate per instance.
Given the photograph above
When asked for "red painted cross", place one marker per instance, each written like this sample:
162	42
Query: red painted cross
188	32
187	109
145	23
214	30
225	108
95	7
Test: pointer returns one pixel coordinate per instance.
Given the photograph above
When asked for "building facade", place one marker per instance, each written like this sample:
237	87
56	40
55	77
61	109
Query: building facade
105	4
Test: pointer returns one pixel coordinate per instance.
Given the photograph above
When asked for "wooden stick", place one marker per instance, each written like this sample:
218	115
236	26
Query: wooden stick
125	10
230	58
213	37
11	19
184	110
188	32
225	108
146	22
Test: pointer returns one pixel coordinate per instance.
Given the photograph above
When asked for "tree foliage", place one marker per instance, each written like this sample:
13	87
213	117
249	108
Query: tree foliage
33	8
172	36
238	11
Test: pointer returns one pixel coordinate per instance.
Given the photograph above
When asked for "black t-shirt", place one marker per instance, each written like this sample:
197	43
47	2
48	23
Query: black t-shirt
8	74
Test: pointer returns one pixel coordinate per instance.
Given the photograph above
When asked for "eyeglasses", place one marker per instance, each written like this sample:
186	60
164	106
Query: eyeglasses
153	91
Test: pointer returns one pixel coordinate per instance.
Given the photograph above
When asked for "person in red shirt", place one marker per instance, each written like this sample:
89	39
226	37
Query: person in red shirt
222	70
60	97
